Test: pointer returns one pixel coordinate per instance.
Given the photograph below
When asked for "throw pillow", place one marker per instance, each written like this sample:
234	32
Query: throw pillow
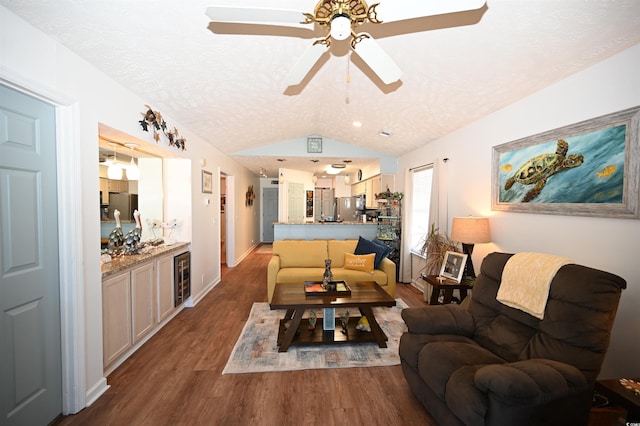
365	246
386	250
359	262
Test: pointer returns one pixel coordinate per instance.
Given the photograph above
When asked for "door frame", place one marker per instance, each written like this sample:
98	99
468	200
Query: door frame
229	213
71	259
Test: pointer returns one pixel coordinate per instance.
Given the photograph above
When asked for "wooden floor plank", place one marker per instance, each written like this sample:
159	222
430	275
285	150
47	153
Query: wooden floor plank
176	377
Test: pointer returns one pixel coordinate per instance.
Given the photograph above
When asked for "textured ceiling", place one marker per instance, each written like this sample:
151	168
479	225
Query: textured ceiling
224	82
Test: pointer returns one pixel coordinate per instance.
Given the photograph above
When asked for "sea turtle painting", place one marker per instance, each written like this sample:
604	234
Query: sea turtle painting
540	168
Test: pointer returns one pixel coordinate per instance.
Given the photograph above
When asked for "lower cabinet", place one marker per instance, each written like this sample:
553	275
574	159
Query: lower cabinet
143	304
116	317
165	287
134	304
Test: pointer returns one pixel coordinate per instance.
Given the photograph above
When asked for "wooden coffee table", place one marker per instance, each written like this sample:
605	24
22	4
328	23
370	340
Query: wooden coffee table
295	331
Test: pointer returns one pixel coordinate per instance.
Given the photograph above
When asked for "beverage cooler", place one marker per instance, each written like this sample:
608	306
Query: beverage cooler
182	277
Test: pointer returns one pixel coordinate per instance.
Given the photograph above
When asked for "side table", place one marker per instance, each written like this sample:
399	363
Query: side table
445	286
618	395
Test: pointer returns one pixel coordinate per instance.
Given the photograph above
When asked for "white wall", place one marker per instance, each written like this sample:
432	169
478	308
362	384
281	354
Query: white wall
608	244
31	60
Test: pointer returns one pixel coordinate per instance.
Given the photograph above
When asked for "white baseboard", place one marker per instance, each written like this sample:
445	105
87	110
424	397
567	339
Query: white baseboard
423	287
96	391
193	301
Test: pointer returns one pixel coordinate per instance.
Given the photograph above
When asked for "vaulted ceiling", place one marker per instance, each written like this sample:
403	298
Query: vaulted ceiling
224	82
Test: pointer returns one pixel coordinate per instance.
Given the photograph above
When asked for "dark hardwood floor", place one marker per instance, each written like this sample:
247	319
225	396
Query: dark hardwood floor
175	378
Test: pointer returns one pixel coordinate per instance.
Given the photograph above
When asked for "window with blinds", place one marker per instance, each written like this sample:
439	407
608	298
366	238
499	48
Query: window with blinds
421	200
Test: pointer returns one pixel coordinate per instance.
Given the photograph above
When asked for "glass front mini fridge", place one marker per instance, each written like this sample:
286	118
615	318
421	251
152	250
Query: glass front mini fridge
182	278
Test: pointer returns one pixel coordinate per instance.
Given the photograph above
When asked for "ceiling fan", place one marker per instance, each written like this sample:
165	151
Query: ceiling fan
340	18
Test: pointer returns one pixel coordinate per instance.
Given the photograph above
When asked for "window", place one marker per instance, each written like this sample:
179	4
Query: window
421	200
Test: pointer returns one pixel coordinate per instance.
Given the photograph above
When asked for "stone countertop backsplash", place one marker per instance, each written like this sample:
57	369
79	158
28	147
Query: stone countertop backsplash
122	263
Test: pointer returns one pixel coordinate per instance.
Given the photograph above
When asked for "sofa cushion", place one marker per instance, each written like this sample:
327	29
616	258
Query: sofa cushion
362	262
300	275
349	275
337	249
301	253
365	246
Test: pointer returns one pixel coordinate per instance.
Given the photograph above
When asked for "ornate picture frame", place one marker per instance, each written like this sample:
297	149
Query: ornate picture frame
207	182
590	168
453	265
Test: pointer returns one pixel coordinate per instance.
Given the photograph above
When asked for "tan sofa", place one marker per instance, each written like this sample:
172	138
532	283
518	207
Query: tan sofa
296	261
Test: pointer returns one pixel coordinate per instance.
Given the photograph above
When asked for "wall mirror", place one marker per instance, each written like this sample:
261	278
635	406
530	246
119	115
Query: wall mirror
131	177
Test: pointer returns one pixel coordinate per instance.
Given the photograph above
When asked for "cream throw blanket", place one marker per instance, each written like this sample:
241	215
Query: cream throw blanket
526	279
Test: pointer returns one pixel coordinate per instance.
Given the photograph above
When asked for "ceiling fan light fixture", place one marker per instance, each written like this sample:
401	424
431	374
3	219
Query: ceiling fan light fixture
340	27
336	168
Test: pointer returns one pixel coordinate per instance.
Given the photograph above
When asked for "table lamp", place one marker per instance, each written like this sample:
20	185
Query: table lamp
469	231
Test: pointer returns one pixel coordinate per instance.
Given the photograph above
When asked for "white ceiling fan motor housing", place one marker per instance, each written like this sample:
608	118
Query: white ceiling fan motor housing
340	27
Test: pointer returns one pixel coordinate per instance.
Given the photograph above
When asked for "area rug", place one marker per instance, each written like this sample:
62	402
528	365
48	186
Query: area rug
257	351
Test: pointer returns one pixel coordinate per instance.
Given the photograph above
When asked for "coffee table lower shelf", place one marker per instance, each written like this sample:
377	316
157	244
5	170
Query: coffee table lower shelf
318	336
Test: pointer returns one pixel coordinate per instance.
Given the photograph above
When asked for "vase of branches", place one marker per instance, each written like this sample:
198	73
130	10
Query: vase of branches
434	248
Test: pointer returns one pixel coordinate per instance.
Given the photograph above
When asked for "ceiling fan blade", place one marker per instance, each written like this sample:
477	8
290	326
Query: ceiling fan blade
304	64
401	10
377	59
258	16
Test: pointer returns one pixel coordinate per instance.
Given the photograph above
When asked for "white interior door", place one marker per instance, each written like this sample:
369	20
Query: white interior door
296	202
30	366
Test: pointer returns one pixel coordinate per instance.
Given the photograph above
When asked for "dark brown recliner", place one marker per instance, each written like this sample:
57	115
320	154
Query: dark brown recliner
490	364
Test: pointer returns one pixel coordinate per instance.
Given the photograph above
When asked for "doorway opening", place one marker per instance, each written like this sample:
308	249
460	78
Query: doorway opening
223	219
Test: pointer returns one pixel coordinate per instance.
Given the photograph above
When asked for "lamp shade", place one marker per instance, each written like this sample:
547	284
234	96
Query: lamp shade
471	230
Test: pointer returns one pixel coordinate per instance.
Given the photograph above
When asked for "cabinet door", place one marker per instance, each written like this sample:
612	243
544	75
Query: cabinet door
371	197
164	274
104	188
116	317
357	189
376	188
142	300
118	185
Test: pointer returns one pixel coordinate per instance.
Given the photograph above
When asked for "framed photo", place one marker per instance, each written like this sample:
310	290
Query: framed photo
207	182
589	168
314	145
453	265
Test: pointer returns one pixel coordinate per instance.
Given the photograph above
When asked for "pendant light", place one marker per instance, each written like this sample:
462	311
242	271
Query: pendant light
114	171
133	173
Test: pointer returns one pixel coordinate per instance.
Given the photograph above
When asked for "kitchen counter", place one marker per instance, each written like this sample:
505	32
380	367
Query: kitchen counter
353	222
122	263
324	230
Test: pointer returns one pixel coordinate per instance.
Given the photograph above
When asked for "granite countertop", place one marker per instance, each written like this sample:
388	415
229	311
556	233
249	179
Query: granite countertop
355	222
123	263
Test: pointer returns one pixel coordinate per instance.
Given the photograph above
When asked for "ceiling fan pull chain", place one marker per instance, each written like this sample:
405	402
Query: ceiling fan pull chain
348	81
